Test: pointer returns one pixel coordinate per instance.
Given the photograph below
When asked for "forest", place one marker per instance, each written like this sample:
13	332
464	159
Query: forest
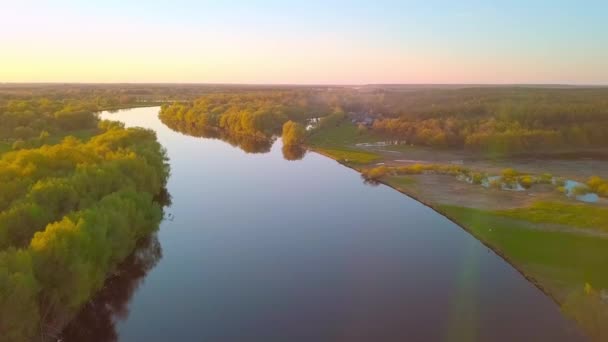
258	115
499	120
70	212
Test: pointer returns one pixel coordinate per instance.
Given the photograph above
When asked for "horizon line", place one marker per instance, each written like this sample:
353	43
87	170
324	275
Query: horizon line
309	84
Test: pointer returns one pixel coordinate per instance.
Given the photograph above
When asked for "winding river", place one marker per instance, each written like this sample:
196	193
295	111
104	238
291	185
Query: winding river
255	247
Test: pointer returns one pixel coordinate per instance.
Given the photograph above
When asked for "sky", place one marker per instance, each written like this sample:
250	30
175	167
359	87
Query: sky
305	42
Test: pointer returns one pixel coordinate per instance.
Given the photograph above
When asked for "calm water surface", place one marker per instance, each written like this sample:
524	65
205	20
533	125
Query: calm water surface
259	248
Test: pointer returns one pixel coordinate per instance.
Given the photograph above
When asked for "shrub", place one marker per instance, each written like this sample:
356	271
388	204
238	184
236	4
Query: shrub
375	173
598	185
526	181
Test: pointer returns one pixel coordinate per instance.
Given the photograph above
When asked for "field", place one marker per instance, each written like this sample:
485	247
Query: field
339	143
344	134
540	251
349	156
575	215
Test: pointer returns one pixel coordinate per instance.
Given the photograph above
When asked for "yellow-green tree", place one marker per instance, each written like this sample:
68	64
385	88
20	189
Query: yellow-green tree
294	134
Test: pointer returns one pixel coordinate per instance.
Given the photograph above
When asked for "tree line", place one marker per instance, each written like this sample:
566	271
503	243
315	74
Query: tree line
69	214
30	118
502	120
255	114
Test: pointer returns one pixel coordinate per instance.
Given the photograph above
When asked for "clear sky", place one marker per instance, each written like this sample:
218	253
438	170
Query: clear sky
305	42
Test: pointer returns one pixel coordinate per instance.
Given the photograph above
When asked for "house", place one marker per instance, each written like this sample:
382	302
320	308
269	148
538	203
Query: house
362	118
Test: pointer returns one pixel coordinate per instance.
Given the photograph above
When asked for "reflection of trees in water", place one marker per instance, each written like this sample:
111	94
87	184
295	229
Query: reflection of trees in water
163	198
96	321
369	181
248	143
293	152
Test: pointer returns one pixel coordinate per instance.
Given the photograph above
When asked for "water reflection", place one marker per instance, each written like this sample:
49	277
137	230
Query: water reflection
247	143
97	320
293	152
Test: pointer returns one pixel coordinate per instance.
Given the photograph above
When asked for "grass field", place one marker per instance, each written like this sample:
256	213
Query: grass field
346	134
348	156
400	181
575	215
338	143
562	260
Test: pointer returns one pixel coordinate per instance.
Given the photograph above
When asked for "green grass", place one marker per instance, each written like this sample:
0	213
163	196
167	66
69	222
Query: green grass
401	181
349	156
575	215
338	143
562	261
407	148
343	135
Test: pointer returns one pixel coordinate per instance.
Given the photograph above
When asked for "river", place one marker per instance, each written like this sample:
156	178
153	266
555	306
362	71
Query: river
259	248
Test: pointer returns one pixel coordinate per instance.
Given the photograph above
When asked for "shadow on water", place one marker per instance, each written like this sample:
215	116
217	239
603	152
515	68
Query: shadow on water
97	320
247	143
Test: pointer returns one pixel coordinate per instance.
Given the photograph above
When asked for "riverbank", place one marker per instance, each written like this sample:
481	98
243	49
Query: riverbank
564	256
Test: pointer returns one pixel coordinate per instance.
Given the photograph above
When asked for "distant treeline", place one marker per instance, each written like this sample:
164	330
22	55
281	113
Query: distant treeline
70	213
26	119
255	114
502	120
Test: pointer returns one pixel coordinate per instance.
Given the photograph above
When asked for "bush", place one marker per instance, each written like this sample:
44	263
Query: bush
509	175
375	173
598	185
477	177
526	181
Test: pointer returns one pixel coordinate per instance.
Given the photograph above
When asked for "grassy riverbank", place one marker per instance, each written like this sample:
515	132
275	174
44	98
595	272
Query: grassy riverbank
339	143
557	243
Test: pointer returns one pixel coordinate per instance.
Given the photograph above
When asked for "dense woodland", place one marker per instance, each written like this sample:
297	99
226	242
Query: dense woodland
69	212
500	120
32	121
255	114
